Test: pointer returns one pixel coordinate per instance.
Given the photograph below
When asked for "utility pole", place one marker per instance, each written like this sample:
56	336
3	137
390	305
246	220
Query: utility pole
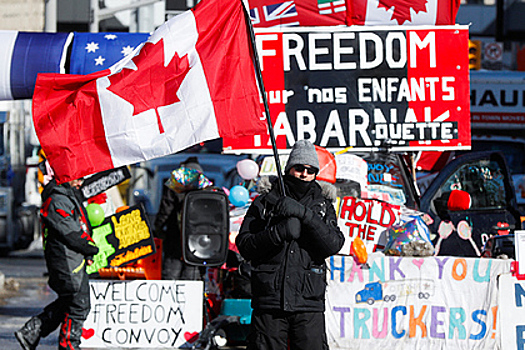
50	20
98	14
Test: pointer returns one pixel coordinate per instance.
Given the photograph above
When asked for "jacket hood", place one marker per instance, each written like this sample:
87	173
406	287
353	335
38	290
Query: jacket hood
53	187
265	183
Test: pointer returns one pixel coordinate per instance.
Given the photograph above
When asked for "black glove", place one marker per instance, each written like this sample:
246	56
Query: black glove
159	233
287	206
289	229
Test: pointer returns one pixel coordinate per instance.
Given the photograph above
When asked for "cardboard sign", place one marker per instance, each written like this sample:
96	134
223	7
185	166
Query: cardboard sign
368	218
364	87
103	181
122	238
352	167
409	303
143	314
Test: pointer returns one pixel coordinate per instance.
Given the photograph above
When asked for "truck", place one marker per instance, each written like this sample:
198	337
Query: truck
497	108
392	290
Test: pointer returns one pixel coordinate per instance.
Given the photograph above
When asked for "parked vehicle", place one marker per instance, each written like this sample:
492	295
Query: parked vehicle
485	176
148	178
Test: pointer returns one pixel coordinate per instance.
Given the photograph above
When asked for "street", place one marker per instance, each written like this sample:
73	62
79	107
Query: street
25	294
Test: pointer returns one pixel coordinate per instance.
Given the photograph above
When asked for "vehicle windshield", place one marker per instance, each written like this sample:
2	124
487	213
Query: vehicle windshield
482	179
514	153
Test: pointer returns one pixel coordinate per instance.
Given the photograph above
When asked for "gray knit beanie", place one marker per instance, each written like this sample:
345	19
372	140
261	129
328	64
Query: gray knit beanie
303	152
192	163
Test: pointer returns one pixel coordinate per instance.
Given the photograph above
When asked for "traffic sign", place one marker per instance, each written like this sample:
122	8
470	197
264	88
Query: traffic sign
493	52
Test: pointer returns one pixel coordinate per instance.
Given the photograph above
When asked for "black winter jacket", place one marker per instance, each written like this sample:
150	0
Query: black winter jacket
289	276
67	241
168	222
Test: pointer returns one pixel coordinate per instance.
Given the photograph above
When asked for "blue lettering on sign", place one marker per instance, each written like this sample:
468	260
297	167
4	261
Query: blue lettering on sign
518	294
520	341
376	175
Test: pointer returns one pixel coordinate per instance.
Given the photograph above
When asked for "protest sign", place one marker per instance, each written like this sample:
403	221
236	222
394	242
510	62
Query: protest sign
415	303
367	218
364	87
512	302
143	314
103	181
122	238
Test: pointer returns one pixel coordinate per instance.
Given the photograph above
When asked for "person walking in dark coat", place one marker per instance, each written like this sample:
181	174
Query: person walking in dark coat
68	247
287	239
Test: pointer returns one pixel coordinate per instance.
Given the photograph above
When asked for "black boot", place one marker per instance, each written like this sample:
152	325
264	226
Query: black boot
29	335
70	334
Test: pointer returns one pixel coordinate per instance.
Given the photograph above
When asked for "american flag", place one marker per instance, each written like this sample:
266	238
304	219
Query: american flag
327	7
274	15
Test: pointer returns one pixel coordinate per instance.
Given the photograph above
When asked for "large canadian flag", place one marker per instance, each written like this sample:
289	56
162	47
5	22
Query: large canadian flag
402	12
192	81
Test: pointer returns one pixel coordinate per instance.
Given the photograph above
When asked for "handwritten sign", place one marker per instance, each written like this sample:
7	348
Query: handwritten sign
368	218
405	303
145	314
512	305
352	167
103	181
405	87
122	238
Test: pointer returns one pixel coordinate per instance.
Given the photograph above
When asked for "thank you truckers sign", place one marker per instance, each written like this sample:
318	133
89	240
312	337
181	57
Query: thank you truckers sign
365	87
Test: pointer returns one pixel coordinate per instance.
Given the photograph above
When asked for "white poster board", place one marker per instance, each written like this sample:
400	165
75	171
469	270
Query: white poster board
143	314
409	303
368	218
519	246
512	312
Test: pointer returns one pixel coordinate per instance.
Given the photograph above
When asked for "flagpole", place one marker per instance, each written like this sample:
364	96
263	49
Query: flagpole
265	99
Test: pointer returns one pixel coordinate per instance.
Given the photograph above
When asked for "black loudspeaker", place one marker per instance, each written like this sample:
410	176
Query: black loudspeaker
205	228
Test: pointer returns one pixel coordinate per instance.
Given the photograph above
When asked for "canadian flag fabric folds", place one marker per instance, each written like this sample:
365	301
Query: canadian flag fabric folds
293	13
402	12
192	81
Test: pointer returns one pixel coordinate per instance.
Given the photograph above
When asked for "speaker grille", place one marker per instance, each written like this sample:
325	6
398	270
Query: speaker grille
205	228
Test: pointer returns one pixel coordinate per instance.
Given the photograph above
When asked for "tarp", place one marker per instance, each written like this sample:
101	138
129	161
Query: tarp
24	55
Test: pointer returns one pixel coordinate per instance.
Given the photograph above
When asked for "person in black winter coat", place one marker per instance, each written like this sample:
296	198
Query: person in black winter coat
287	239
68	247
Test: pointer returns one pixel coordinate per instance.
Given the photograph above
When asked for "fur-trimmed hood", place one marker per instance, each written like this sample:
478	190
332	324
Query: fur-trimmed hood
265	184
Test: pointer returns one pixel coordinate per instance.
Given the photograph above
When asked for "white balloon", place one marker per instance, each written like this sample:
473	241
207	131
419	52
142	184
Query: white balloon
247	169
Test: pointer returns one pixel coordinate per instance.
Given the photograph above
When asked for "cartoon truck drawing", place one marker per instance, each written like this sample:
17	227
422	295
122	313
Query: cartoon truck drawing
391	290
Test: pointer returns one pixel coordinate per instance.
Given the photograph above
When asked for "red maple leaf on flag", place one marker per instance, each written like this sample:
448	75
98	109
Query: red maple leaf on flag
402	8
151	85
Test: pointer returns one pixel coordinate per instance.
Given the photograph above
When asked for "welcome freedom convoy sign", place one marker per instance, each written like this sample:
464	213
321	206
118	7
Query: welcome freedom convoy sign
364	87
